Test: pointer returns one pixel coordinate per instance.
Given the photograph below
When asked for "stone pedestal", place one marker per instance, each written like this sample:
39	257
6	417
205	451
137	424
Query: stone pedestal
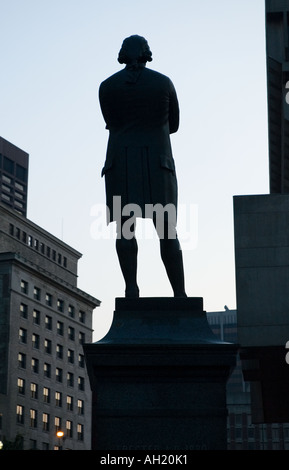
159	378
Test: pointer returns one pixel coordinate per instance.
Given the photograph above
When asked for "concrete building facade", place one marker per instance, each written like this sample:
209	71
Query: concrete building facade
44	321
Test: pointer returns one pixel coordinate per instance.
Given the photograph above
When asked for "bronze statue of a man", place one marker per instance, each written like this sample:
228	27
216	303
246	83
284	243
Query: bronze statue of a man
140	108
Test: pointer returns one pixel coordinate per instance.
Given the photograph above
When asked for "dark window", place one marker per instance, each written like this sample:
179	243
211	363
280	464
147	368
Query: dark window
21	172
8	165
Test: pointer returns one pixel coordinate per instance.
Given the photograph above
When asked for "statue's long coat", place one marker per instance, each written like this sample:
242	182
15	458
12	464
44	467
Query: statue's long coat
140	116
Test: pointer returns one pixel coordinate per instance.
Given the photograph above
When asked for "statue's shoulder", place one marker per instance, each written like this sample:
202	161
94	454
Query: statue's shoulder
157	77
112	79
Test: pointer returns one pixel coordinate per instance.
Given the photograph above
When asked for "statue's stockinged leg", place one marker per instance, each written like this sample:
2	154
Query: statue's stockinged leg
127	250
172	256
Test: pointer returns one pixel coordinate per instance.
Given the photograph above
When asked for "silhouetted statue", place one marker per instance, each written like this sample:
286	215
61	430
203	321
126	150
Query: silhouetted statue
140	108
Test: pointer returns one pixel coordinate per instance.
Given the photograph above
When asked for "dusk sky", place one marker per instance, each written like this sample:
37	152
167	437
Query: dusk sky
55	54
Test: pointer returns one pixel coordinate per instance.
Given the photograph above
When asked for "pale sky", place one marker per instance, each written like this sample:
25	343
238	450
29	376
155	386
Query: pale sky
54	55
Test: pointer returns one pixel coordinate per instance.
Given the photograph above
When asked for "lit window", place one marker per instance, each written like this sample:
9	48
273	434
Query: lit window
80	383
71	333
34	390
24	287
80	407
70	356
20	414
80	432
69	429
36	293
82	316
22	360
47	370
35	341
23	310
33	418
47	346
35	365
69	403
21	386
22	335
58	398
36	317
46	395
45	422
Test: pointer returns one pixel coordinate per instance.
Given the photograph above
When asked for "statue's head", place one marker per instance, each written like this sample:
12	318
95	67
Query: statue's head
134	49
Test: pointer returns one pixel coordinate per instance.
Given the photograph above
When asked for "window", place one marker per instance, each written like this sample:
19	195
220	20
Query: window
59	351
80	432
11	226
80	383
46	395
71	333
21	386
45	422
35	365
35	341
81	360
47	370
82	316
36	317
58	374
21	172
22	360
47	346
69	429
70	379
81	338
32	444
8	165
70	356
60	305
22	335
80	407
34	390
60	328
36	293
71	311
57	423
69	403
23	310
24	287
48	322
20	414
33	418
48	299
58	398
19	186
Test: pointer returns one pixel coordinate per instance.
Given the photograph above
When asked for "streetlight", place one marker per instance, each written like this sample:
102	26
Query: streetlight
60	435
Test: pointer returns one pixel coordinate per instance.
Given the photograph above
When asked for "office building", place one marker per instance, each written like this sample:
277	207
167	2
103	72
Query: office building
44	321
13	176
242	434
